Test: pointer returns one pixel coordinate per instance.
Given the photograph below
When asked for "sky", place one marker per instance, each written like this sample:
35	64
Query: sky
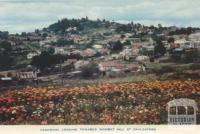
27	15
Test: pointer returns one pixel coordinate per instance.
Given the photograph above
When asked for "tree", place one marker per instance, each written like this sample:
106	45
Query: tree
124	28
159	26
23	34
44	35
127	42
116	46
6	46
170	40
122	36
51	50
45	60
191	56
62	42
89	71
37	31
5	61
159	50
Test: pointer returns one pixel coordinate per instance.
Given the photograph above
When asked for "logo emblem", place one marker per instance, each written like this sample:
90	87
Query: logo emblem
182	112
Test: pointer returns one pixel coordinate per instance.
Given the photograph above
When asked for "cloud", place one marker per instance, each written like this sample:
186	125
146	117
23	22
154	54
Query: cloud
27	15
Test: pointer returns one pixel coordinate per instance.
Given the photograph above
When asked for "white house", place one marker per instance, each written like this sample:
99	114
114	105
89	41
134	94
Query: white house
142	58
61	50
180	41
97	47
88	52
27	75
32	54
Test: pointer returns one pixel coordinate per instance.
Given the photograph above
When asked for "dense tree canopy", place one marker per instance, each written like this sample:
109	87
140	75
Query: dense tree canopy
116	46
5	61
5	47
159	50
45	60
170	40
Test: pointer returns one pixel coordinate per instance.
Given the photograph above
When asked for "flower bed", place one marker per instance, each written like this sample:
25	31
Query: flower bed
126	103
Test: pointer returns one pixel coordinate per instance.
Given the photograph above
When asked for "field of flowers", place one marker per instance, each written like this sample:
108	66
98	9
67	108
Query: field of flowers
125	103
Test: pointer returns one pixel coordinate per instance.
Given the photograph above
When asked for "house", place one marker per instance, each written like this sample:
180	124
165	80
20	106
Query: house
116	56
195	37
173	46
180	41
189	46
71	61
115	68
71	29
97	47
149	47
114	73
49	39
88	52
142	58
62	51
76	51
104	51
81	63
32	54
109	65
137	45
111	68
132	67
27	75
129	53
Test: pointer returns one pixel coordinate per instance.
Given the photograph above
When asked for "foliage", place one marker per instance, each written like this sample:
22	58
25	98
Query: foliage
127	42
51	50
171	40
116	46
80	24
180	31
5	46
159	50
123	103
62	43
45	60
191	56
6	61
124	28
89	71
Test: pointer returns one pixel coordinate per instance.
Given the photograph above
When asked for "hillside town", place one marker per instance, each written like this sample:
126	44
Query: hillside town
97	49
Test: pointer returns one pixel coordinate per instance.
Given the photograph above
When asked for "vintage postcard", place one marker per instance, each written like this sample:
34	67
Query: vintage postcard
99	66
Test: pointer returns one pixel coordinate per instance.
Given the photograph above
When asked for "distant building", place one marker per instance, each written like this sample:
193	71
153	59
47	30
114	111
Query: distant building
180	41
32	54
88	52
97	47
142	58
116	65
27	75
195	37
79	64
62	51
